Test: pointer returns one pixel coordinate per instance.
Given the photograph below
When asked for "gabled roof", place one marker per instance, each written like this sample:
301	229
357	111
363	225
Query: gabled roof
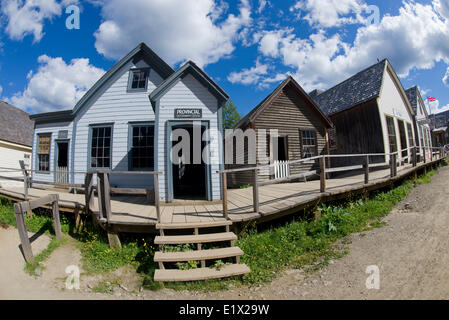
361	87
15	125
413	96
189	68
156	62
252	115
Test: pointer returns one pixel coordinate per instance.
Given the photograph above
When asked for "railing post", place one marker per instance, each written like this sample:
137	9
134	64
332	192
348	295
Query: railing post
156	197
322	174
392	164
224	183
21	227
431	154
366	167
255	192
25	179
414	160
88	192
56	219
424	154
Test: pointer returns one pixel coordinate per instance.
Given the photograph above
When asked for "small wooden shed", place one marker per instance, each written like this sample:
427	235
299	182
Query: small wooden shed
302	131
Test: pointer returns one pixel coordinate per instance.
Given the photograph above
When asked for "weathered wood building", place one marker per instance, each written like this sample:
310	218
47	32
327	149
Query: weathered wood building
16	138
125	123
371	114
302	132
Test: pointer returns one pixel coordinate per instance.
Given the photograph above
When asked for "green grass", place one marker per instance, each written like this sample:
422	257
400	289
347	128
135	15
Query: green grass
30	268
303	243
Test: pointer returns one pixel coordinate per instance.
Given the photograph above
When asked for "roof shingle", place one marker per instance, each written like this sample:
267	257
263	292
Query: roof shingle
362	87
15	125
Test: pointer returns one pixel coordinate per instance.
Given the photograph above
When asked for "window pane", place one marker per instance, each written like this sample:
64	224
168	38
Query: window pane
100	147
142	148
308	144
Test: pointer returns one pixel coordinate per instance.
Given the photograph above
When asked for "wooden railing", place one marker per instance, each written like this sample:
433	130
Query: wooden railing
323	171
104	191
103	187
21	208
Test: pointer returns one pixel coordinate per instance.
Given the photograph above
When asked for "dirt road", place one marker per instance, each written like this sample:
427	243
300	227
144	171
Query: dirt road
411	253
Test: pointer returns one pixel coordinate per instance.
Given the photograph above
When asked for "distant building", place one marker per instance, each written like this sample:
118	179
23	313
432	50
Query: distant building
16	139
371	114
422	129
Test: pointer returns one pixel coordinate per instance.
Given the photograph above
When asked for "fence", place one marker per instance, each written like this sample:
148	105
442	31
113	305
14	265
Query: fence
281	169
21	208
365	165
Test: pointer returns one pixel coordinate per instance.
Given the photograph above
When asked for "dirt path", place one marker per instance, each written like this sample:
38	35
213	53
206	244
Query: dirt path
411	252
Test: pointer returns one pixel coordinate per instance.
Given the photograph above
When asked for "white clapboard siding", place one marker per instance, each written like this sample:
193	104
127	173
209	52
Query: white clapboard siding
117	106
9	158
189	93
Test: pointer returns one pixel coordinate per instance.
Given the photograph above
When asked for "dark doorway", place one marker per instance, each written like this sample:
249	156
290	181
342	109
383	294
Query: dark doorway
282	149
62	164
403	138
189	179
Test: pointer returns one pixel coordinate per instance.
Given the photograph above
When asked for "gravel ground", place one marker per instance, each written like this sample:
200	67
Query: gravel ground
410	252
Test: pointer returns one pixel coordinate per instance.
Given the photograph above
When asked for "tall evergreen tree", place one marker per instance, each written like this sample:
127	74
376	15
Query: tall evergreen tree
230	115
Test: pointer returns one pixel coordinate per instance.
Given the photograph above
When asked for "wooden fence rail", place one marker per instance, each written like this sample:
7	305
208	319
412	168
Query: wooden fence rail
21	208
394	162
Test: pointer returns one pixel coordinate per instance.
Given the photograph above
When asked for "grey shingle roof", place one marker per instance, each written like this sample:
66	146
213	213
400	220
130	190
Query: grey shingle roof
15	125
360	88
412	95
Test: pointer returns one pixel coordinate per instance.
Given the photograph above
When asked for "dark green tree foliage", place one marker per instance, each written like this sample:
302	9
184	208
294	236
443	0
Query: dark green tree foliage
230	115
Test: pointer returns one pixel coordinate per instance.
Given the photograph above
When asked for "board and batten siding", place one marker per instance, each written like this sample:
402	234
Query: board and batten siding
188	93
358	131
53	129
391	103
10	155
115	105
288	113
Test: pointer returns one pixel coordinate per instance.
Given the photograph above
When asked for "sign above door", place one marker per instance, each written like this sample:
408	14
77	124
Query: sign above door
191	113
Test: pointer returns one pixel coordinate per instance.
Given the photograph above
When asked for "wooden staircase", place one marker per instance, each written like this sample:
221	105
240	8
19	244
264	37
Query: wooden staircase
205	257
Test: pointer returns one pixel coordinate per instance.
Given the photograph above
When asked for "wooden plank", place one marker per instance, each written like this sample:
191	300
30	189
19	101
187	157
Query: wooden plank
211	224
366	167
255	192
157	200
56	219
38	203
198	255
225	195
202	238
322	175
21	227
200	273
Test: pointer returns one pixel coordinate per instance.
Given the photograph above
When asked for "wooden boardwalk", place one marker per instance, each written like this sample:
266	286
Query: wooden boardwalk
275	200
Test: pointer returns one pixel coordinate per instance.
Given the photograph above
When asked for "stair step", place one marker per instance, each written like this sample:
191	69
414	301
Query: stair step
198	255
193	225
200	273
201	238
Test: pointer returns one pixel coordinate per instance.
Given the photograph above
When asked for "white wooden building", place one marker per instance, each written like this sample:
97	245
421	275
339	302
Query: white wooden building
124	123
16	136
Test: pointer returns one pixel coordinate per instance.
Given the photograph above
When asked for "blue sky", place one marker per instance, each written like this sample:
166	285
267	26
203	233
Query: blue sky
247	46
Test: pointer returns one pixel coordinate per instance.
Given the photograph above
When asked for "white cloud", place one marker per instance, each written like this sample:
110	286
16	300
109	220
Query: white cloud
330	13
262	5
249	76
446	78
56	85
257	75
414	39
28	17
442	6
196	30
1	90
